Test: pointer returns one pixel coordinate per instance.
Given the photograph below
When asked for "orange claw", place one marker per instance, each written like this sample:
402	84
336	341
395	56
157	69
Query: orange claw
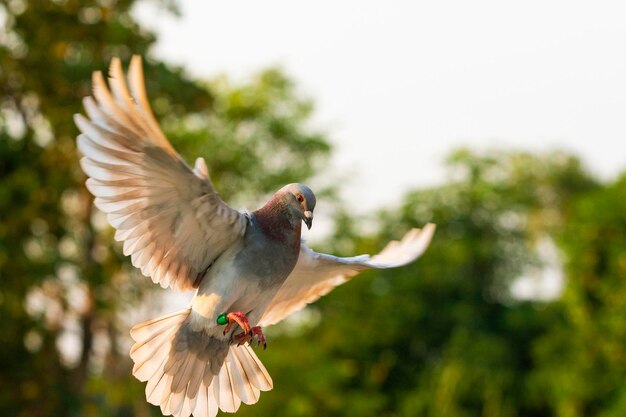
256	331
239	318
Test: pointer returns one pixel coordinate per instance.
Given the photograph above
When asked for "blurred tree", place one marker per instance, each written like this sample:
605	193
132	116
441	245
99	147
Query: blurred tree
444	336
582	360
65	288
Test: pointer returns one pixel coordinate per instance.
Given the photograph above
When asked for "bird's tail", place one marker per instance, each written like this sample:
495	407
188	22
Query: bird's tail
194	372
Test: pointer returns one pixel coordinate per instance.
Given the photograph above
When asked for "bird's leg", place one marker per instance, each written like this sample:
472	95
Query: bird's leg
242	338
232	318
255	331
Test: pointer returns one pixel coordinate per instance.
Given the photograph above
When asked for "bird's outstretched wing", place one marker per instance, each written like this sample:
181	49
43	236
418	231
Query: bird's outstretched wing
316	274
170	218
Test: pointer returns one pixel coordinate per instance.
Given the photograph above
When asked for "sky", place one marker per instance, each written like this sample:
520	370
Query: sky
397	85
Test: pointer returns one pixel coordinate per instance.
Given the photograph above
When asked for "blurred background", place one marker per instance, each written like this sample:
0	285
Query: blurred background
503	125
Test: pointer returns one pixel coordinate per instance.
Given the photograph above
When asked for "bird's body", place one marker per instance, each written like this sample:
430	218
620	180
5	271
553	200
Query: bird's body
248	275
244	278
248	269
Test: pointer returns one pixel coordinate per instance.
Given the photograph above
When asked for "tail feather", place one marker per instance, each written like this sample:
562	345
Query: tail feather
177	401
187	409
147	329
155	388
195	381
212	399
254	369
151	349
201	407
183	374
244	389
151	357
167	394
227	398
195	373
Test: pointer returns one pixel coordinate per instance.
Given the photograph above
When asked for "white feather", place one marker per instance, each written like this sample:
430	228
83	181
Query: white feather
133	169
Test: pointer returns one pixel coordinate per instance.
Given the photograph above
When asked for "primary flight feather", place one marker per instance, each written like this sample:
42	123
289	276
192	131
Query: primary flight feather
248	269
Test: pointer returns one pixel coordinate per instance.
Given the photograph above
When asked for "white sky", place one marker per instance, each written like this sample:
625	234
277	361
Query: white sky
399	84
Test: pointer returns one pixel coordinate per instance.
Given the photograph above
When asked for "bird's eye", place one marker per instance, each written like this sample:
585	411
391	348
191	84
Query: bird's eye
300	198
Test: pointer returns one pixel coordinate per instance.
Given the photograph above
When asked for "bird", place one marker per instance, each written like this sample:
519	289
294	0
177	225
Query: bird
249	270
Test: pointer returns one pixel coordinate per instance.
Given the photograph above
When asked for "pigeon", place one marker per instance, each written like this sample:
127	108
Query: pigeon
248	270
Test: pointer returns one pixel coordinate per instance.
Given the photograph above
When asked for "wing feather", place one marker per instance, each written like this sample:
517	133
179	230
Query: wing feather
170	218
316	274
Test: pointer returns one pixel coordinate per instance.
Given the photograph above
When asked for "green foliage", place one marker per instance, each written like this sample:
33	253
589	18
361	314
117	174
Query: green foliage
66	289
581	359
252	128
442	337
445	336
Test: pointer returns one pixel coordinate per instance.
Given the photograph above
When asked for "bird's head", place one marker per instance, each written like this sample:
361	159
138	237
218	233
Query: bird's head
300	201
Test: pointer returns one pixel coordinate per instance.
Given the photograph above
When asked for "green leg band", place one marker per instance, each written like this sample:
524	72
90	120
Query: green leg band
222	320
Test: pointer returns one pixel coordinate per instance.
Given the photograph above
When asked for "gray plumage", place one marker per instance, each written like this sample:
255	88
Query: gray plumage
179	232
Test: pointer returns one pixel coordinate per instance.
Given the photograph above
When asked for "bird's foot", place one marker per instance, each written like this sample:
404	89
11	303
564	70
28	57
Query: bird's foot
258	332
235	317
249	337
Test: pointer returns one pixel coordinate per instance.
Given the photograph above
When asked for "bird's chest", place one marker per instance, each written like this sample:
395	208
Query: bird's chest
268	260
247	277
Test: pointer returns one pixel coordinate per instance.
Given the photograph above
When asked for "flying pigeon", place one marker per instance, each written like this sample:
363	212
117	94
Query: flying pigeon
248	270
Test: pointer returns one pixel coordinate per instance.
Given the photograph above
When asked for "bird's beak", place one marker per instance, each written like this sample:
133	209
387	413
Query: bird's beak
308	219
